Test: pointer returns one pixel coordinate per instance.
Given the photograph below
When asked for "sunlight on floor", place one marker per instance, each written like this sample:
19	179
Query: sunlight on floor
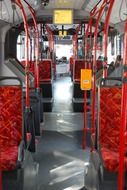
72	169
63	122
74	187
62	93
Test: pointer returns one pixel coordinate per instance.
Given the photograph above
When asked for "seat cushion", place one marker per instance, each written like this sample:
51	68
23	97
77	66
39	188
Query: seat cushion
8	158
111	159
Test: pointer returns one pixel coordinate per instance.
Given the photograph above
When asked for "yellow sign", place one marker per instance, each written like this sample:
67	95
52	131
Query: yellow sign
86	79
62	34
63	17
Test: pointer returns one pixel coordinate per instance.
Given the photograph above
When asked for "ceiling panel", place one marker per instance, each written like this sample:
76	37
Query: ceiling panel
91	4
81	7
78	4
6	12
119	12
62	4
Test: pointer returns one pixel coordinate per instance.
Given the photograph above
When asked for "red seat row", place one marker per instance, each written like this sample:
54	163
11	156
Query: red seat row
45	69
109	127
10	125
31	68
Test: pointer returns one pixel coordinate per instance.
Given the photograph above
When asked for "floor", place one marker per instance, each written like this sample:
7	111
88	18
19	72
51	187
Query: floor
61	160
59	151
62	89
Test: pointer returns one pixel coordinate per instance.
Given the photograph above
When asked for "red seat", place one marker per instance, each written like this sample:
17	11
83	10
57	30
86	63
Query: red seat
109	126
31	66
111	159
78	65
8	158
10	125
45	68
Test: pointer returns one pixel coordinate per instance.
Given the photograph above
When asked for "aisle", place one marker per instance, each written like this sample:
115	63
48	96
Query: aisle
59	151
62	95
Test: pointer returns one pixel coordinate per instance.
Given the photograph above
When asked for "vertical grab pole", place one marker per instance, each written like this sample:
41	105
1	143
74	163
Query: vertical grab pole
100	12
90	49
85	93
75	42
74	46
51	45
19	4
37	78
123	128
94	12
77	31
85	121
50	38
87	48
105	38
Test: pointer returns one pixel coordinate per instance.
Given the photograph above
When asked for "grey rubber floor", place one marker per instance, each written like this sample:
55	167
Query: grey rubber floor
59	151
62	89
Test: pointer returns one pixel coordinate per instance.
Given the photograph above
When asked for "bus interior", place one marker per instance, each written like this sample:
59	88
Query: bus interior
63	95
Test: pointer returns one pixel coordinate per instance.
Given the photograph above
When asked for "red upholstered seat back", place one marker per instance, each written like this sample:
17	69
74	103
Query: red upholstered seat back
10	116
78	65
110	115
31	68
45	70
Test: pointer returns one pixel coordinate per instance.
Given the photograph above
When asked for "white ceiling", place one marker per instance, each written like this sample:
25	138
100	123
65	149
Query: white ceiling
63	4
119	9
81	9
90	5
116	13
